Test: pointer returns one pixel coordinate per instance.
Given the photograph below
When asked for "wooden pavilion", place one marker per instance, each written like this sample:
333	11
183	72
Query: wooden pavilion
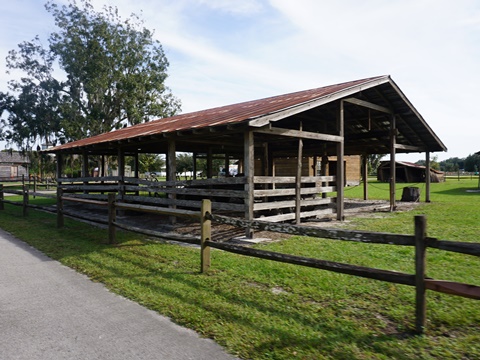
368	116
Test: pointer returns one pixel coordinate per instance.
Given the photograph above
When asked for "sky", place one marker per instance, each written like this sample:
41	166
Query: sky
223	52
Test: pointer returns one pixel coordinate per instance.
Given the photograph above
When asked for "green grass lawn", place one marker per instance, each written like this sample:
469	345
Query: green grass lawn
265	310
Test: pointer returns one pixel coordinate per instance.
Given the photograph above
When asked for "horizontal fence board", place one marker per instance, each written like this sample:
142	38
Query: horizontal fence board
195	192
17	203
290	179
88	179
168	236
39	194
85	201
453	288
377	274
216	205
312	231
459	247
291	192
303	215
158	210
99	187
197	182
290	203
102	197
16	192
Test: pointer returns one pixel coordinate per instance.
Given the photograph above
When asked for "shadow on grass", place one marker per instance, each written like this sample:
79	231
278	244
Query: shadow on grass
470	191
279	325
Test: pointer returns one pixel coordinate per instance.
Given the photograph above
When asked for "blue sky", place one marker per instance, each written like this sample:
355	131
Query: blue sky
226	51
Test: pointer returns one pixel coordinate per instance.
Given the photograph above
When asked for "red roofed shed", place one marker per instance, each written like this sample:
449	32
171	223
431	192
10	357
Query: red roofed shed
368	116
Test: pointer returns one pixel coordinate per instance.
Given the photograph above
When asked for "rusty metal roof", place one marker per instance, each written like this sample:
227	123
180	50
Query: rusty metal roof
223	115
255	113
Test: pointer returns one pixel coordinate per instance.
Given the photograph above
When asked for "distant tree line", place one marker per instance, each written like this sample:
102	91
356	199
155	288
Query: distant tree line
471	163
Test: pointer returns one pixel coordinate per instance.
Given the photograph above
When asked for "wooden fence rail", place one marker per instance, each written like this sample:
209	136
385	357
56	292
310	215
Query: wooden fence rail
419	240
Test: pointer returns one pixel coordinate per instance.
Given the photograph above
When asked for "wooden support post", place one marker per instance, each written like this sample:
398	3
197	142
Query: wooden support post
112	217
298	181
172	172
340	165
420	255
2	206
427	177
25	200
34	185
393	164
121	173
365	176
249	167
194	166
23	181
102	166
85	172
227	165
206	235
60	220
323	172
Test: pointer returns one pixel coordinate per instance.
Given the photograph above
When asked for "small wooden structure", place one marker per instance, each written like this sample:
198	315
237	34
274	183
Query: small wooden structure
13	165
368	116
407	172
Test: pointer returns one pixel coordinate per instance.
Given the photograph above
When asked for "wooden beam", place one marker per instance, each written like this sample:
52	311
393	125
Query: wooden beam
427	177
172	173
299	134
409	148
298	181
393	165
249	169
369	105
365	176
340	166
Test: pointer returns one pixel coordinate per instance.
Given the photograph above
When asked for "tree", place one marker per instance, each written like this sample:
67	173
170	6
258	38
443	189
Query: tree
113	75
184	163
472	162
373	162
434	164
148	162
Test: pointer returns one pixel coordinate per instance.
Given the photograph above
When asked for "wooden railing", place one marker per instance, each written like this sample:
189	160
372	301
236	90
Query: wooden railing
279	195
274	196
419	240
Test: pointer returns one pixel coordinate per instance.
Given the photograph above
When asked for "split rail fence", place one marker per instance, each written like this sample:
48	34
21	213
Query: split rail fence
205	216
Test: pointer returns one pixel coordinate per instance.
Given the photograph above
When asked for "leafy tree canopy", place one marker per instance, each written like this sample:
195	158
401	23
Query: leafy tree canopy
109	73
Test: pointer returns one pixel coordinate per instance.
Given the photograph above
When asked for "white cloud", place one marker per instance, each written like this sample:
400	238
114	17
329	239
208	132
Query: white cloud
234	6
226	51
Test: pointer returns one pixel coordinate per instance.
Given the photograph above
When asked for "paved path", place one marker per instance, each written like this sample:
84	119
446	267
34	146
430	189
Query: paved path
48	311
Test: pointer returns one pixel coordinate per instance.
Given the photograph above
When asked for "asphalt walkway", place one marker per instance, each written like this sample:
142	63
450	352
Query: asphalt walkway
49	311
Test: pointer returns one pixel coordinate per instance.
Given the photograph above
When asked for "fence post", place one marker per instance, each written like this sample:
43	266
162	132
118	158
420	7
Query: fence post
112	216
420	255
34	185
25	200
1	197
206	234
59	207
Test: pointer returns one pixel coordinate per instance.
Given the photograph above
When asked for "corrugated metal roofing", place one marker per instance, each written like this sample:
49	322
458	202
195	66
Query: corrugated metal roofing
13	158
224	115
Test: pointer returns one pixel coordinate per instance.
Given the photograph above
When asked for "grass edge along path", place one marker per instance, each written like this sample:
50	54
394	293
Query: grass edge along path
264	310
